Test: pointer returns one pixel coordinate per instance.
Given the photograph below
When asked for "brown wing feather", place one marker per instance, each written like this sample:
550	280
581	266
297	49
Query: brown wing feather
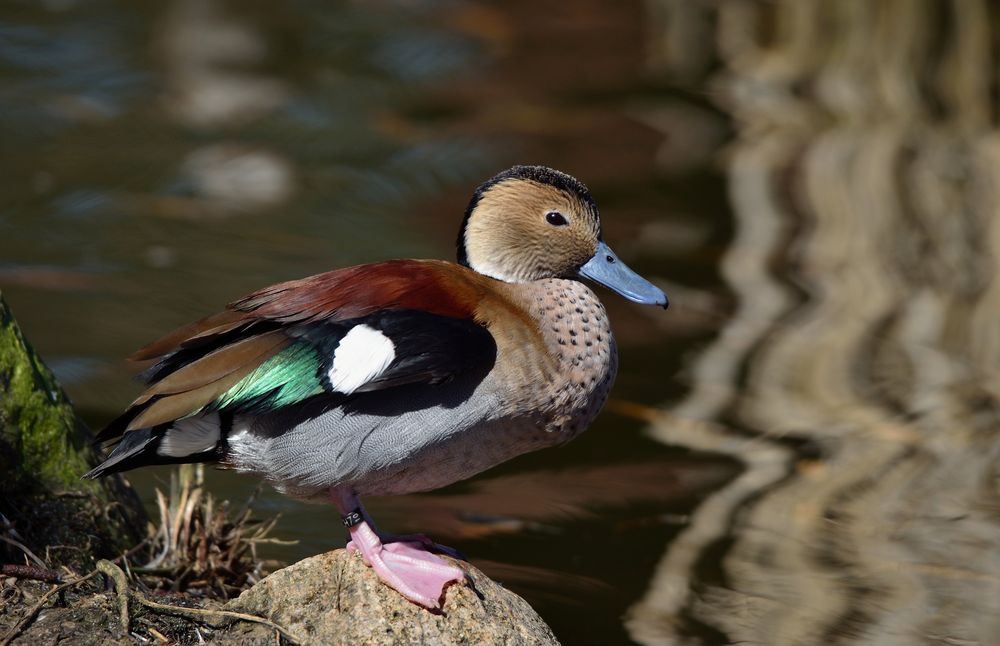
432	286
216	365
181	405
215	324
201	382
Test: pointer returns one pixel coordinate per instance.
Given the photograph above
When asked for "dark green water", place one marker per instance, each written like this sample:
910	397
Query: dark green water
161	160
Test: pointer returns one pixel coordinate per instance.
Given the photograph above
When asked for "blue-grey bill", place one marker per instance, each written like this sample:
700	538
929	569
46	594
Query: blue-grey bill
605	268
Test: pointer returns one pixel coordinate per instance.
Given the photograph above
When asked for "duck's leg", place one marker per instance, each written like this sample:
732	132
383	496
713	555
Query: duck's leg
405	566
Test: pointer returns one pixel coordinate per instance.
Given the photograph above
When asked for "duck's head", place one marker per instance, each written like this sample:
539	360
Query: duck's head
532	222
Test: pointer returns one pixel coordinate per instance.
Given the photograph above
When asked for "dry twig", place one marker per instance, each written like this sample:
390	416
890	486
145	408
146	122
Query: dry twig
30	572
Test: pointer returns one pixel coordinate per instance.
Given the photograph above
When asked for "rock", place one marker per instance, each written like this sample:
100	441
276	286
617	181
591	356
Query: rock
334	598
44	449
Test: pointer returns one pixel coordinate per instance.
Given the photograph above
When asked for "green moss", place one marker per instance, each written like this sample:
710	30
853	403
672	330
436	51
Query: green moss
44	449
43	443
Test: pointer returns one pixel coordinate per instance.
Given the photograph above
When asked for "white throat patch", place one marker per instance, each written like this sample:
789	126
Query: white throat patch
362	355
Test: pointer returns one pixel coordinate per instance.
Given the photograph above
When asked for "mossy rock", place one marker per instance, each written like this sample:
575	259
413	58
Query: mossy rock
44	449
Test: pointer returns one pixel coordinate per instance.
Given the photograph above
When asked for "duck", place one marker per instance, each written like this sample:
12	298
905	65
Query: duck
399	376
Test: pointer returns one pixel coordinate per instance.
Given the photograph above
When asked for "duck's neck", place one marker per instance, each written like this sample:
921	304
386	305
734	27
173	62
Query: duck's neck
574	324
579	348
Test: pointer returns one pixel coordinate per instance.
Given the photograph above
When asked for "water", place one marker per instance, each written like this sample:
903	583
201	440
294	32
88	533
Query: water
801	450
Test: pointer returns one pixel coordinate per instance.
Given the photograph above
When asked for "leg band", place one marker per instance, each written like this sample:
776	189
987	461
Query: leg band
353	518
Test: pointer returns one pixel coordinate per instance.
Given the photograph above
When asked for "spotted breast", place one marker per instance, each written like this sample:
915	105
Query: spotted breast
583	362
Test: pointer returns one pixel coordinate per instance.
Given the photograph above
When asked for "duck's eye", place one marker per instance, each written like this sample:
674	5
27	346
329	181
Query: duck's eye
556	219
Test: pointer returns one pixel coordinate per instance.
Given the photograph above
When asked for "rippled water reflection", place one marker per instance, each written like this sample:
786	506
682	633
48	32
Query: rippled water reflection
802	450
856	381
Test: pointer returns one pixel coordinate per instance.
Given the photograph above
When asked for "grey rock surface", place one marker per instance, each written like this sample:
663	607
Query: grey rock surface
334	598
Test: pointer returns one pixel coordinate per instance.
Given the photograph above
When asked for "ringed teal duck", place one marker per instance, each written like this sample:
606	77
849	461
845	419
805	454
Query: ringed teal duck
398	376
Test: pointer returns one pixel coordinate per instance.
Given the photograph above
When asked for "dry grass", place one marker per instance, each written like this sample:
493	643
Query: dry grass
199	547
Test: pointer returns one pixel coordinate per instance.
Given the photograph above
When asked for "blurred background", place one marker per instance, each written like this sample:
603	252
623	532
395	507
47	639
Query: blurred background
803	449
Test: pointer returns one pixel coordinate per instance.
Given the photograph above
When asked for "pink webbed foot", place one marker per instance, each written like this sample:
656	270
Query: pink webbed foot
405	566
425	541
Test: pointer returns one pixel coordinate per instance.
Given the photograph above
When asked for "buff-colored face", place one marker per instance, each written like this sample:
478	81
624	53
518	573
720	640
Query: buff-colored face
522	230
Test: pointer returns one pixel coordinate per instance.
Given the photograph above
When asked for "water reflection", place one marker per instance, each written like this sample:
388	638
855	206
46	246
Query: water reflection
857	379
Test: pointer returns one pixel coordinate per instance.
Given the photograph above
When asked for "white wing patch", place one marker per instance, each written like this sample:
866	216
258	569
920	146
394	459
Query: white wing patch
189	436
362	355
